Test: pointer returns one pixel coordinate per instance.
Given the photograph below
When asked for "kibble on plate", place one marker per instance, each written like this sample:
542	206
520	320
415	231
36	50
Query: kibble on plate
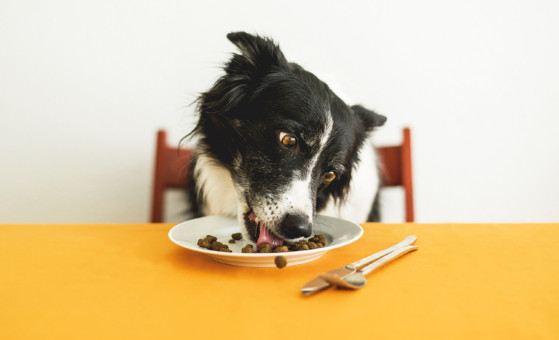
211	242
204	243
264	248
248	249
211	238
281	249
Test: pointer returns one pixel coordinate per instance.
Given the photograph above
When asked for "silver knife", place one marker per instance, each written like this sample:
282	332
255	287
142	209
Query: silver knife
318	283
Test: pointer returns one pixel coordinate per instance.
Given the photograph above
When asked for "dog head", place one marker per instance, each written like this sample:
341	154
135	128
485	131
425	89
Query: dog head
288	141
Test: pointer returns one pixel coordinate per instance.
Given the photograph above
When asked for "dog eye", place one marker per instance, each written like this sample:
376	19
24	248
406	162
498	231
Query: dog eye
287	140
328	177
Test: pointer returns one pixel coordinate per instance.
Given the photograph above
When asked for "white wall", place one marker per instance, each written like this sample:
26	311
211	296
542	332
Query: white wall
85	85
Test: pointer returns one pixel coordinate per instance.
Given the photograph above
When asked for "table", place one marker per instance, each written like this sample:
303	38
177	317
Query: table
128	281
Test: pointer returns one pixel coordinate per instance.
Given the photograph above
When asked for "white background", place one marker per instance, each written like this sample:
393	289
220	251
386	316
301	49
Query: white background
84	85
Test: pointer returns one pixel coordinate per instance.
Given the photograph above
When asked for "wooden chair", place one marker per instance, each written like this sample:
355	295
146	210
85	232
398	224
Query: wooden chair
396	170
171	171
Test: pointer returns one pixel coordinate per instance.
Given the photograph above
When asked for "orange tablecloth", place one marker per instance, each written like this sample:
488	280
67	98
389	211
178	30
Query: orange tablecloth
484	281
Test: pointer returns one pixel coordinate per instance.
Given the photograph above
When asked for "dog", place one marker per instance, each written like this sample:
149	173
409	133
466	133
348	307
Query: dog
276	146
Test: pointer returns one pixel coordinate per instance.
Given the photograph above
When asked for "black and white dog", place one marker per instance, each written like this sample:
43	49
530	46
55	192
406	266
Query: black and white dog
276	146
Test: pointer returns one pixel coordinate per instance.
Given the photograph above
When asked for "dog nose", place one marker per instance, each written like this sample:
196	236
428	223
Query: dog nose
295	226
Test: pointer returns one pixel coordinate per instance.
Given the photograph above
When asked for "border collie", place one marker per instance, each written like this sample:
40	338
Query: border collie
276	146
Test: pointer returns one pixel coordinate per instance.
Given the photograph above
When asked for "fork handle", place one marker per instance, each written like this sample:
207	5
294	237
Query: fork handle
363	262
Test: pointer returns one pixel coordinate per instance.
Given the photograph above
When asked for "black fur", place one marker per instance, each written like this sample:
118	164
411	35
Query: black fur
261	95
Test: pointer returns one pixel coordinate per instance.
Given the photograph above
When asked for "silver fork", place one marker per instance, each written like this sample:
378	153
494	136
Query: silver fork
357	269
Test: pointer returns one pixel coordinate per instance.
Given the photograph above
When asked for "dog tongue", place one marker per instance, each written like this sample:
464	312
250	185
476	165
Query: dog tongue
266	236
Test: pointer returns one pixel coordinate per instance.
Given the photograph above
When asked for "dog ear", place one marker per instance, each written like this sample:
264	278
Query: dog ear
242	74
258	53
370	118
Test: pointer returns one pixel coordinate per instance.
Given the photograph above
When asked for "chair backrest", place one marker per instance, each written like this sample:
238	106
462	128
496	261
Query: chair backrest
172	166
171	171
396	170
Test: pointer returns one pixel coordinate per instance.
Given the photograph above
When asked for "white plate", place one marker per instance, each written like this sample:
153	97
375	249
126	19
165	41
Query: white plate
338	233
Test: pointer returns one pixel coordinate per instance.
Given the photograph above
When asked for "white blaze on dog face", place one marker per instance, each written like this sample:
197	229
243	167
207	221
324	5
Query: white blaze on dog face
297	199
297	196
301	193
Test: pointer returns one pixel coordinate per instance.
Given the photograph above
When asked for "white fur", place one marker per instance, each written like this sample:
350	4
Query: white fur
298	197
362	189
215	183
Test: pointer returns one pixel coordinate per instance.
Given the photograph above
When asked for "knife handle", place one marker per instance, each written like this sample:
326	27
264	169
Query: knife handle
367	260
388	258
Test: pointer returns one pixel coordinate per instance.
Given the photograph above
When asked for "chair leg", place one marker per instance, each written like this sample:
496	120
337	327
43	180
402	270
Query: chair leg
407	175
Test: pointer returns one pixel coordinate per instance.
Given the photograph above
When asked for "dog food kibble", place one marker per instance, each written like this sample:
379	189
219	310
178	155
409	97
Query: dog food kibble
211	242
204	243
264	248
281	249
304	246
248	249
280	261
211	238
217	245
318	239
